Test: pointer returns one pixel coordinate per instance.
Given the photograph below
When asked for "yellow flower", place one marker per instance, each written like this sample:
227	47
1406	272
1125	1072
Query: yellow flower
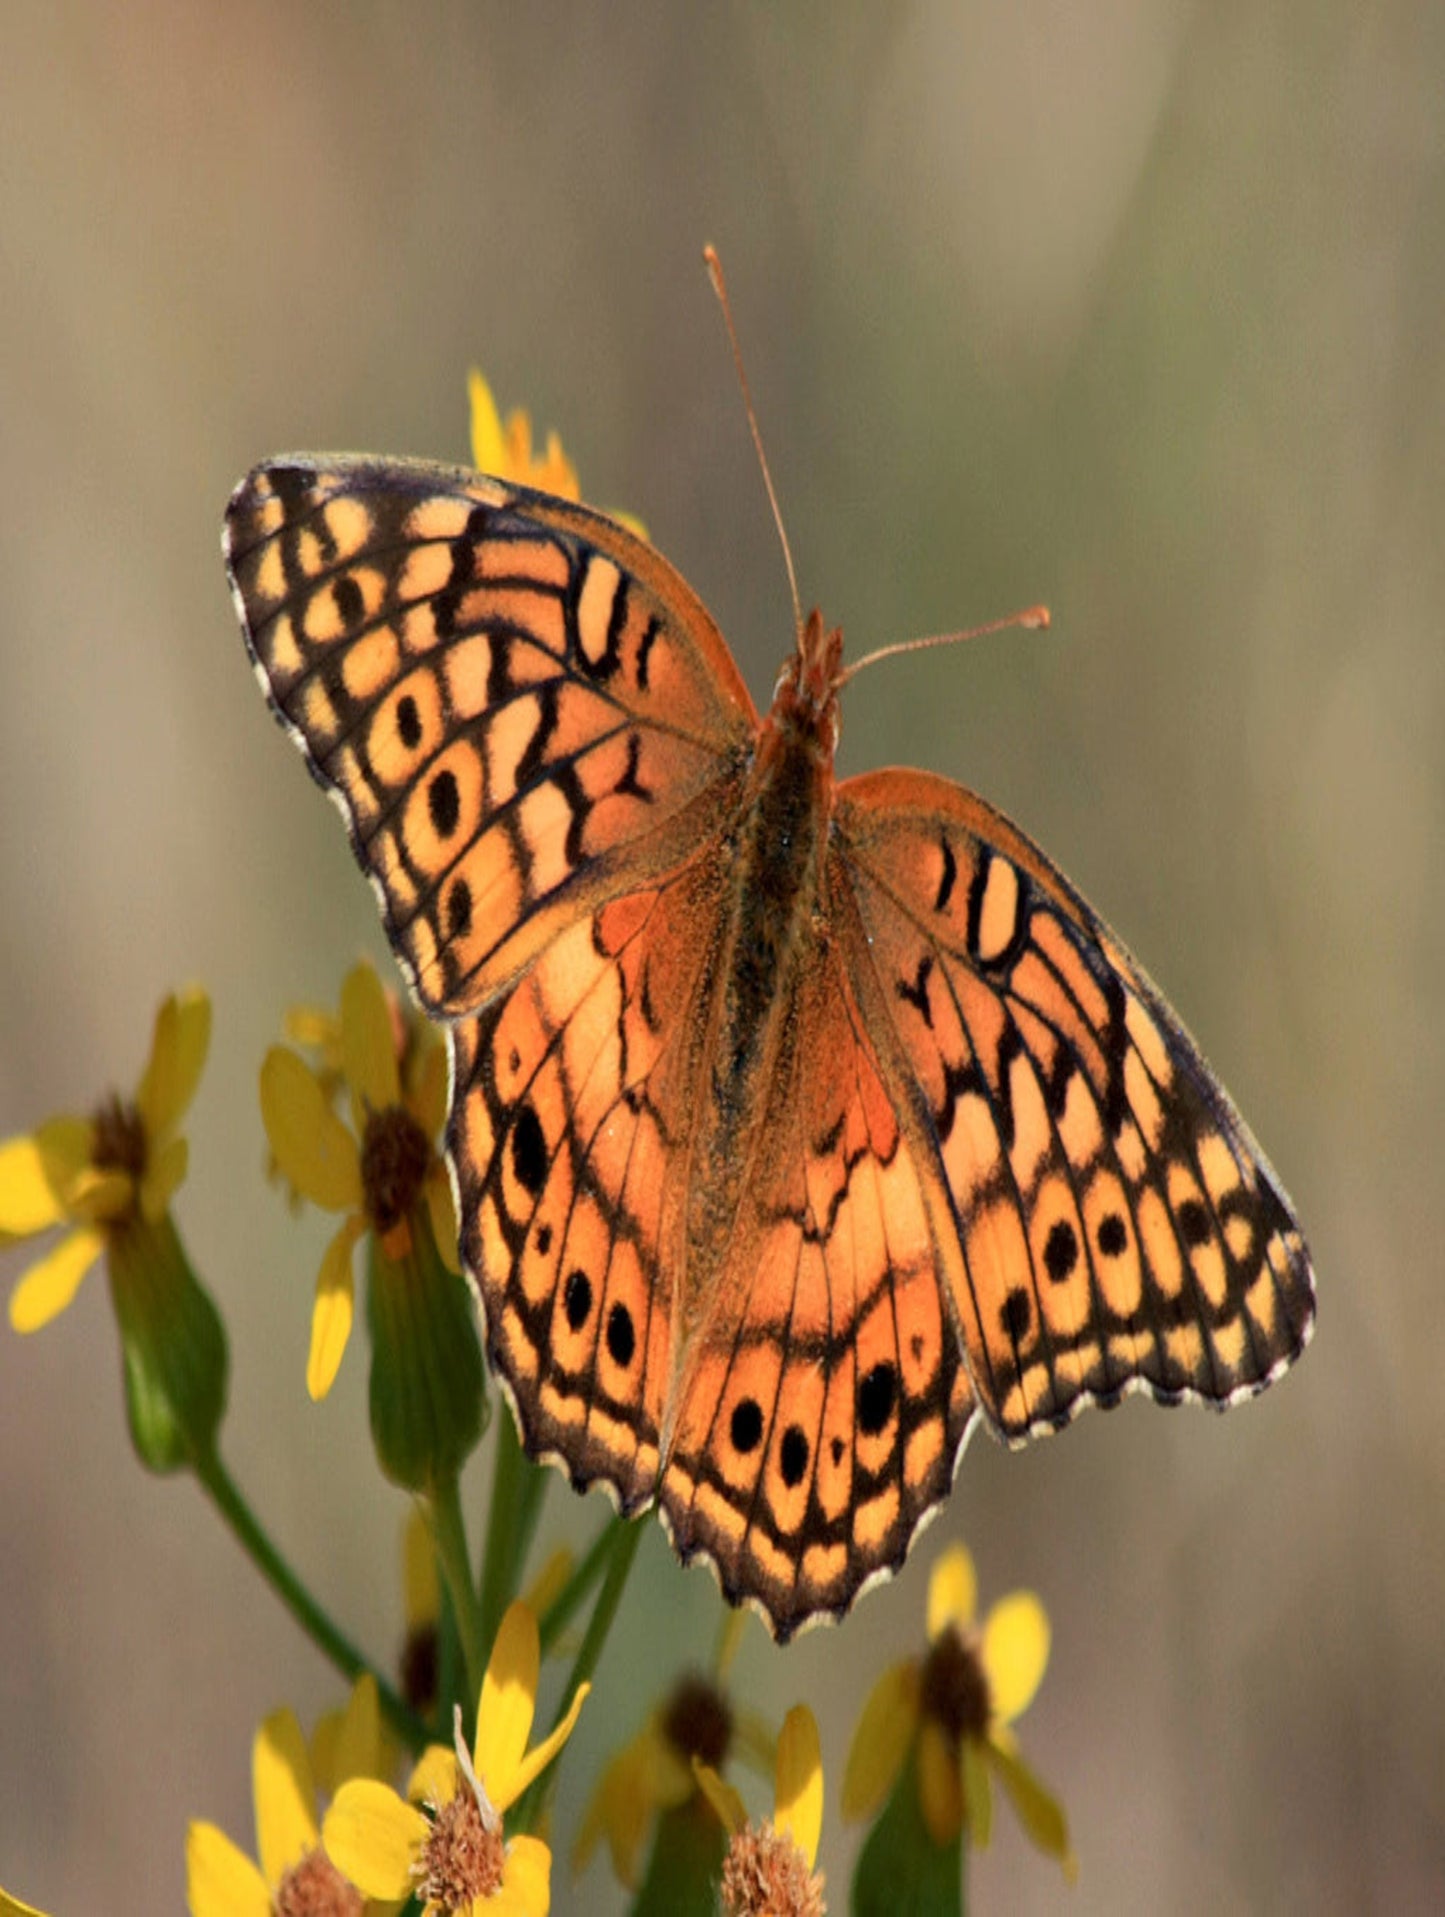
453	1854
653	1774
955	1708
104	1174
295	1873
383	1171
768	1871
505	451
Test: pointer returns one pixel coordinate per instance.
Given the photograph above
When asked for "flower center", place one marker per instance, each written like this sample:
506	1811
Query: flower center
697	1722
395	1154
316	1888
120	1139
765	1872
462	1860
419	1668
955	1691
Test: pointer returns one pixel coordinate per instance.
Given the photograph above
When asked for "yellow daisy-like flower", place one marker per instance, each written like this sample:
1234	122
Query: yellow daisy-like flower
653	1774
104	1174
768	1870
294	1872
957	1706
452	1852
504	449
382	1172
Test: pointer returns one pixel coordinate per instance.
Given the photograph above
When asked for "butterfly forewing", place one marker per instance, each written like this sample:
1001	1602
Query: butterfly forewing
1119	1227
516	703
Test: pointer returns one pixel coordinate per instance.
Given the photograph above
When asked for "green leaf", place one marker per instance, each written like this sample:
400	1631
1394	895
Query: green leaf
900	1867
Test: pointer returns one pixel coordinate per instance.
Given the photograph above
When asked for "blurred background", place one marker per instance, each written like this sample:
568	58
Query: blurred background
1138	309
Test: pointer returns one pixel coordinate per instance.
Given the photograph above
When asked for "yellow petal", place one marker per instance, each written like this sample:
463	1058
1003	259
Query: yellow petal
442	1213
357	1748
285	1795
940	1795
311	1027
431	1093
537	1760
799	1801
96	1197
731	1810
880	1741
526	1880
27	1201
952	1591
368	1042
1041	1815
221	1881
421	1590
1014	1652
509	1698
977	1794
434	1777
489	450
312	1146
549	1581
621	1808
178	1056
372	1837
65	1146
331	1315
48	1287
163	1177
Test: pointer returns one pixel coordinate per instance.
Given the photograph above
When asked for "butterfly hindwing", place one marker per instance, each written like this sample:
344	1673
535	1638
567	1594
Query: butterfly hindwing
1119	1226
515	701
824	1402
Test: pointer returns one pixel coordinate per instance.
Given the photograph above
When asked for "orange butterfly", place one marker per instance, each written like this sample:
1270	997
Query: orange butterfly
795	1125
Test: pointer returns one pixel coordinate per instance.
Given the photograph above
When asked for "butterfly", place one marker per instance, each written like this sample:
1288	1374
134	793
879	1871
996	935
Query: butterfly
797	1126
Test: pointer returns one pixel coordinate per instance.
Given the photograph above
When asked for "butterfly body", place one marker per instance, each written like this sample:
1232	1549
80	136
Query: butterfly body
796	1125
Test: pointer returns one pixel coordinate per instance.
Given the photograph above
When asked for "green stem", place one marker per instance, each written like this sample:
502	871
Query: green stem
559	1612
449	1533
224	1494
623	1537
517	1492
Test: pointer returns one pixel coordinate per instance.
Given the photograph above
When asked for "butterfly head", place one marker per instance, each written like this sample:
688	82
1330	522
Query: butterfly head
805	698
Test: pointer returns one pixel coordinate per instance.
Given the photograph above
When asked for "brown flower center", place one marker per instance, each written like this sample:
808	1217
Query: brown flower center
766	1875
955	1691
697	1721
395	1154
316	1888
463	1859
419	1668
120	1139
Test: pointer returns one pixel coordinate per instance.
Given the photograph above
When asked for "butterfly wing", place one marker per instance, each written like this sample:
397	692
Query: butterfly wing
519	706
574	1096
823	1403
1117	1227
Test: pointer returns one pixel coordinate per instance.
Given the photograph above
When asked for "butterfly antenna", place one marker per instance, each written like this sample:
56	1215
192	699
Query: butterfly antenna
1032	619
719	286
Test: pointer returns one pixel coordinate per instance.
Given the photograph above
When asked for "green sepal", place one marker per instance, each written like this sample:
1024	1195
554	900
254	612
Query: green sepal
173	1346
900	1867
686	1863
428	1394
